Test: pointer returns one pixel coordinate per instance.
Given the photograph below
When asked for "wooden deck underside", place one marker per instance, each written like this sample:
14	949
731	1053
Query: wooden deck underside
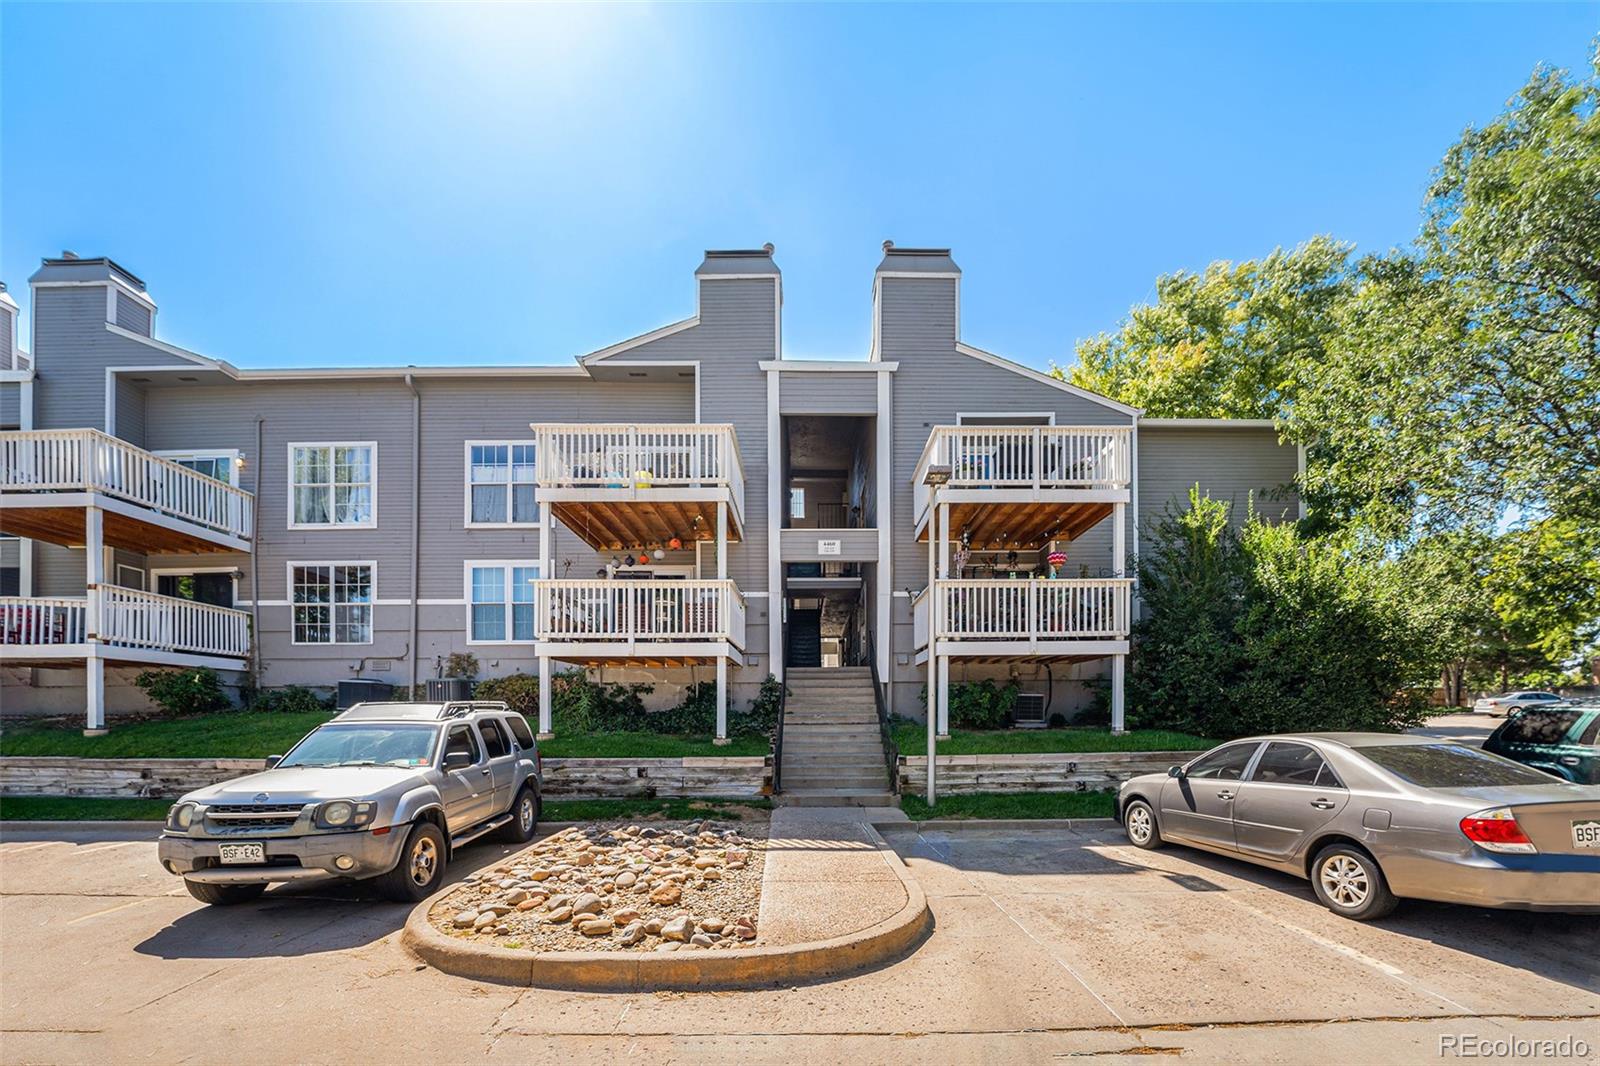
65	526
619	525
1021	526
638	661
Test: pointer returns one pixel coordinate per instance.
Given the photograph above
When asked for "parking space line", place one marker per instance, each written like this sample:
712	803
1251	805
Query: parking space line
18	849
109	910
97	848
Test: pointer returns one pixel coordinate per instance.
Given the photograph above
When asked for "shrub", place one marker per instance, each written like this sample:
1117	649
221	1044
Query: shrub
183	691
460	664
980	704
1265	630
519	691
291	699
761	718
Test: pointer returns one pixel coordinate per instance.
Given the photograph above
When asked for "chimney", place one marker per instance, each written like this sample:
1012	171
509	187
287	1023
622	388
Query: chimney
8	330
126	303
916	302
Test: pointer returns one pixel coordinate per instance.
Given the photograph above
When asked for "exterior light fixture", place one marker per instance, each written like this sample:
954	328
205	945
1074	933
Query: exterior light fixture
936	476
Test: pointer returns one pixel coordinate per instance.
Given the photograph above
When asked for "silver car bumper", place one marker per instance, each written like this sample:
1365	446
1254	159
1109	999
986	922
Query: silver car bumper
1516	882
312	856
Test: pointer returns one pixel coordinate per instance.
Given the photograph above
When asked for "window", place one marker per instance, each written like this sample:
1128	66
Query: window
1539	725
1289	764
332	602
332	485
501	598
222	465
494	738
130	577
460	739
520	730
1449	766
1224	764
500	484
797	503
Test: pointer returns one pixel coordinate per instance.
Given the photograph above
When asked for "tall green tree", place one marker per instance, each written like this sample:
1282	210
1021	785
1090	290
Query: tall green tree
1228	342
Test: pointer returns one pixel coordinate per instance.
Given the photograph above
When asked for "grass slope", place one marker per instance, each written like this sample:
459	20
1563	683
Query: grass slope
912	739
81	809
232	735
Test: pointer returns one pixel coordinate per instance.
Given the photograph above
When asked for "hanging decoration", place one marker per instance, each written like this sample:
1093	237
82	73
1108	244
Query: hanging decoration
676	543
629	560
659	554
1057	561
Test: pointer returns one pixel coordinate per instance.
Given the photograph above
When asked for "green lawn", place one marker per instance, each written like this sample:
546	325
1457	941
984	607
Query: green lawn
81	809
645	746
912	739
1013	805
231	735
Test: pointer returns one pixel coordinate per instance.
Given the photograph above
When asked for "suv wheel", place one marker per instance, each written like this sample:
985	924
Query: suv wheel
1139	822
421	867
223	895
524	817
1348	881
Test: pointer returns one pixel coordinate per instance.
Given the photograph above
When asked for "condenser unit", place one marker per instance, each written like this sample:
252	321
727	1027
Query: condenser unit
1028	712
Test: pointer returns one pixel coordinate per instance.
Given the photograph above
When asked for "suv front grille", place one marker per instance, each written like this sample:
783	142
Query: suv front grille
254	816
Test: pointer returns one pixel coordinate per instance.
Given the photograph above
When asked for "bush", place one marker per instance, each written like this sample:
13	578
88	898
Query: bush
519	691
291	699
183	691
460	664
980	704
761	719
1265	630
579	705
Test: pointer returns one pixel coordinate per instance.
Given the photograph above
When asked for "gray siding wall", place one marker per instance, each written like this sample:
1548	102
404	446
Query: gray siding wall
132	315
74	350
934	383
129	410
800	545
802	393
1236	465
5	339
10	405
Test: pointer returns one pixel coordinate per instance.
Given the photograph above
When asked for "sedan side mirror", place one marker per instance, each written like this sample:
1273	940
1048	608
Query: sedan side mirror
273	760
457	760
1175	771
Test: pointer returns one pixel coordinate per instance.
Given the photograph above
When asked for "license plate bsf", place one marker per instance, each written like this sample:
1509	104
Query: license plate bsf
1586	834
242	854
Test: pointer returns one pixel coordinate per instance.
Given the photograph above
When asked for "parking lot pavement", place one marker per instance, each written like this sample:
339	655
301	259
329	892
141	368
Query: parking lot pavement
1463	727
1047	944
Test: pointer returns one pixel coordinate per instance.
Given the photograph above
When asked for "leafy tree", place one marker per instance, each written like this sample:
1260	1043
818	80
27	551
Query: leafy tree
1228	342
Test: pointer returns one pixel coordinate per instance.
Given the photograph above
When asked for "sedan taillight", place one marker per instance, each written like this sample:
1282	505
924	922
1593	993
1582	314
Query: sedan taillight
1497	830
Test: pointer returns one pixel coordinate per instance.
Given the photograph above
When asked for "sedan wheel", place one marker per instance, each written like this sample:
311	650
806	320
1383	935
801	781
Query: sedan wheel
1348	881
1139	822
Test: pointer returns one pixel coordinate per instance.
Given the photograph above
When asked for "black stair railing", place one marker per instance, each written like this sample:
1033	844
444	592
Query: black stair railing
777	738
891	754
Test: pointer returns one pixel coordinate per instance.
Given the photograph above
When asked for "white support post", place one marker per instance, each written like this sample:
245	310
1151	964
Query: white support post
546	729
775	502
94	577
1119	539
933	639
1118	706
944	540
546	532
943	521
883	458
722	700
722	540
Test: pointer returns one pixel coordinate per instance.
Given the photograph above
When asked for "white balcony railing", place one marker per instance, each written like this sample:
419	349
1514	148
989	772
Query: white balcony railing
1036	609
657	610
129	618
81	460
639	456
1032	457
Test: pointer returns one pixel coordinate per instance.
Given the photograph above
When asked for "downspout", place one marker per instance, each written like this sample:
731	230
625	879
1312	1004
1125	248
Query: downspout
255	564
416	524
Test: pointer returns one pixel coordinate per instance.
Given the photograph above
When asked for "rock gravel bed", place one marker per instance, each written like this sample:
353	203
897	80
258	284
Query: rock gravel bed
615	887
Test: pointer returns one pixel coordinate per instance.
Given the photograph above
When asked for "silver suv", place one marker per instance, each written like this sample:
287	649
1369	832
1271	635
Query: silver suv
384	791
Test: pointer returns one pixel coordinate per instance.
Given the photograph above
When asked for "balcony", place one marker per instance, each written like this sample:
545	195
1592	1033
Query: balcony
134	627
639	484
48	478
1035	618
1016	487
654	622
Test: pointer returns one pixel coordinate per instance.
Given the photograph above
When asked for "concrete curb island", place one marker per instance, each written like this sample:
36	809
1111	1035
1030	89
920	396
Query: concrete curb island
622	971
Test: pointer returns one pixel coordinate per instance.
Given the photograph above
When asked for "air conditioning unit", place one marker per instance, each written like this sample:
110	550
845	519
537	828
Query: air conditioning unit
1028	712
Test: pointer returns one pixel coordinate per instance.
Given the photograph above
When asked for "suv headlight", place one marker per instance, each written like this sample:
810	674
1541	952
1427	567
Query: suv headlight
344	814
181	817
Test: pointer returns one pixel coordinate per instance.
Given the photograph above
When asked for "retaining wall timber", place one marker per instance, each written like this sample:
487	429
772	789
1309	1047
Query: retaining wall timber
563	778
1088	771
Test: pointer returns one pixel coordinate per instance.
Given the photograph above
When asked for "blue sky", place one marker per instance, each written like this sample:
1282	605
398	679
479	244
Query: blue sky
382	185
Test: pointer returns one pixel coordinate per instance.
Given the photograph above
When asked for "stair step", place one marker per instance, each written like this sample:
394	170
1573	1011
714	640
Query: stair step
835	797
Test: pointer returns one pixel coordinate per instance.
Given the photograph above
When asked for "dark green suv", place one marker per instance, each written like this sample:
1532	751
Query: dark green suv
1559	740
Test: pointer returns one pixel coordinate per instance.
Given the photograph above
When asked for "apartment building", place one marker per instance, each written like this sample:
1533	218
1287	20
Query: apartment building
686	505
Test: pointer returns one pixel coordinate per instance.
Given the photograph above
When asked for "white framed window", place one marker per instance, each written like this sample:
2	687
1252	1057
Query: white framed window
333	485
500	600
130	577
332	602
797	503
500	483
220	463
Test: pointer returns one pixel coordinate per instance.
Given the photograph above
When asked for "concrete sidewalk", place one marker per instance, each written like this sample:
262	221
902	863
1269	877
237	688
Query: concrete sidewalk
828	874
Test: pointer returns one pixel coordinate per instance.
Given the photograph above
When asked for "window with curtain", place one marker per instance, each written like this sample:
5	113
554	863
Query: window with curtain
332	484
501	601
500	483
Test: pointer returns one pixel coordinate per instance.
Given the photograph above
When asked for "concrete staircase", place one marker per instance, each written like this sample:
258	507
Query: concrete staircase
832	749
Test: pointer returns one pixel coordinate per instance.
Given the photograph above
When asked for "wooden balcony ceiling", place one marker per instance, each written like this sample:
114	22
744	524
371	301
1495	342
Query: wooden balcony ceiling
619	525
643	660
1021	657
1021	526
65	526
